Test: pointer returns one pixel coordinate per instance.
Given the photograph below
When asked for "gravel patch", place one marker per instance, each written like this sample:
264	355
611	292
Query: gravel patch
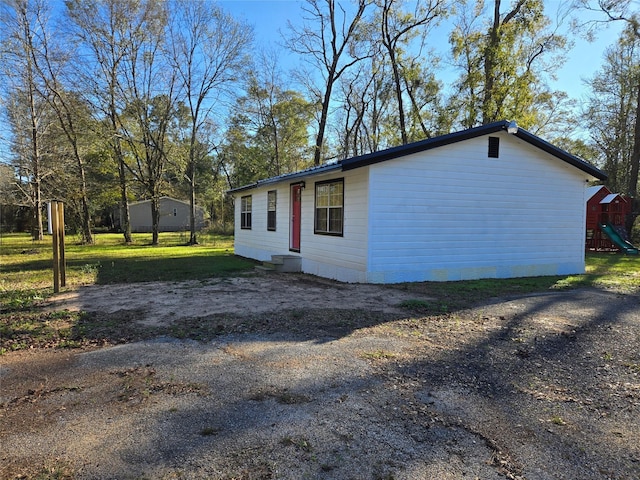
539	387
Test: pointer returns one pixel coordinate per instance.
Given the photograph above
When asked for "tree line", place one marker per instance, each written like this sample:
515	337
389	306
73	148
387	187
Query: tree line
109	101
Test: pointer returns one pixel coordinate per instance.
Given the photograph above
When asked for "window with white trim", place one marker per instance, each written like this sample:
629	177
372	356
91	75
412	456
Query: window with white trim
272	196
245	212
329	211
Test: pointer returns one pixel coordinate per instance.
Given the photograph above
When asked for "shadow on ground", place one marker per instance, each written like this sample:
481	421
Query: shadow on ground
540	387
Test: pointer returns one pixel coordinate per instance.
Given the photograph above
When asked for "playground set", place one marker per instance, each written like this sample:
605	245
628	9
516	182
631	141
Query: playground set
606	214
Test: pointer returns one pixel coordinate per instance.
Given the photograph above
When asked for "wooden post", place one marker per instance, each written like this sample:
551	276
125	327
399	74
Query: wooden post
56	249
59	264
63	263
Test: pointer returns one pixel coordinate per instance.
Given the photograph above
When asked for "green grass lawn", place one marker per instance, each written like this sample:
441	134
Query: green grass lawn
26	266
608	270
617	272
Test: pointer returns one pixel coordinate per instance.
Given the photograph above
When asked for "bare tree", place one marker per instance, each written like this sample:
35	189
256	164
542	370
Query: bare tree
329	40
106	30
397	28
45	86
26	111
207	49
149	91
50	61
366	94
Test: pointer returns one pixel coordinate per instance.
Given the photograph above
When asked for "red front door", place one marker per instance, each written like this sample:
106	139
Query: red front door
296	203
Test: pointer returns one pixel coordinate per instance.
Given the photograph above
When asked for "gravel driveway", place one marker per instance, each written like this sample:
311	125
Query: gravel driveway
541	387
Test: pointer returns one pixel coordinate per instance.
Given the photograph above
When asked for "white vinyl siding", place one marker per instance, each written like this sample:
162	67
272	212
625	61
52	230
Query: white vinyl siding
450	213
338	257
453	213
259	242
174	215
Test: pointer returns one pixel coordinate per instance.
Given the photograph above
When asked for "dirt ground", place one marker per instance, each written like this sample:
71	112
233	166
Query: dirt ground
296	377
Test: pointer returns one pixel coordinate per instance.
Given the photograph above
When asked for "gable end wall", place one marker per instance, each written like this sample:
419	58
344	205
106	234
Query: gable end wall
140	216
453	214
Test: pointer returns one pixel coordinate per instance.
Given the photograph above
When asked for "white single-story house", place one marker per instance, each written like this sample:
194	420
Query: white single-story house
174	215
490	202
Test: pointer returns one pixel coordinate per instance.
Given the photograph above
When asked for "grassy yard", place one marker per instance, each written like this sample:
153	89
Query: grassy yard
26	278
26	266
620	273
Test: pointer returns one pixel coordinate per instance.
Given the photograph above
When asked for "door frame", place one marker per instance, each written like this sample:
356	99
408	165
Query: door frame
295	215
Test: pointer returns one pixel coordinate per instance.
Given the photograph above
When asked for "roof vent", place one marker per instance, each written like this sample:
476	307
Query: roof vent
494	147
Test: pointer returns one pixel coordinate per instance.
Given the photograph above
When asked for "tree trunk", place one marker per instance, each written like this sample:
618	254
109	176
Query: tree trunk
416	109
122	169
124	202
317	155
490	65
632	189
398	88
390	44
38	233
191	171
193	239
87	237
155	220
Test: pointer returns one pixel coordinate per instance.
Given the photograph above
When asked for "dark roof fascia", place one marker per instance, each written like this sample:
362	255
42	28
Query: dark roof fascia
435	142
288	177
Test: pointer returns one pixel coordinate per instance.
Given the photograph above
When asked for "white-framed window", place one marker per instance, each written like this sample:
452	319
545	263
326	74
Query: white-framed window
272	197
245	212
329	211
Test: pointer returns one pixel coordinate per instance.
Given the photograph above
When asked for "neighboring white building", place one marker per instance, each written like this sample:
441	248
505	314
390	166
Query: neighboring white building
174	216
481	203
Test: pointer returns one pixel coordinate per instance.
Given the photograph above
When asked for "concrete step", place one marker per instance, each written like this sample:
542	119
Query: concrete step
264	269
283	263
287	263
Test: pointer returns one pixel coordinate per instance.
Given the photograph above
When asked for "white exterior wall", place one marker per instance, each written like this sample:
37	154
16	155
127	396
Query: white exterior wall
452	213
341	258
258	242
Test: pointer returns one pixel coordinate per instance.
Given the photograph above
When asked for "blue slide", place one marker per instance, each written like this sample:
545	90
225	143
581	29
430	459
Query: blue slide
620	242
